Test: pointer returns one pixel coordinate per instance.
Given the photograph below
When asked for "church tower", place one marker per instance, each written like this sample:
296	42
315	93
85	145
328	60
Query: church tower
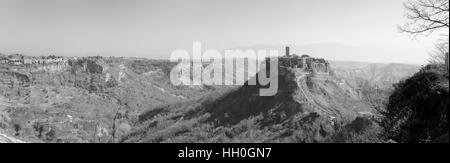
287	51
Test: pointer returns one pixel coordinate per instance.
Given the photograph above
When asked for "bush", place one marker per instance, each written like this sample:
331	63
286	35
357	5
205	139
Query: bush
418	108
360	130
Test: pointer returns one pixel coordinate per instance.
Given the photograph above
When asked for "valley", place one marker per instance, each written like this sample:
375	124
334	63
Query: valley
115	99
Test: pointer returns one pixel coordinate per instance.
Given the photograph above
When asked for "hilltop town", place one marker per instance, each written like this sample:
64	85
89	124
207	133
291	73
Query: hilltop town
304	62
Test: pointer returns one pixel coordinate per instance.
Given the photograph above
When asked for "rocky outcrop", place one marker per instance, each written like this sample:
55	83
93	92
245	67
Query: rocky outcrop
11	76
87	65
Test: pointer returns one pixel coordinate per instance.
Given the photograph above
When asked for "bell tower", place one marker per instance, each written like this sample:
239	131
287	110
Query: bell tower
287	51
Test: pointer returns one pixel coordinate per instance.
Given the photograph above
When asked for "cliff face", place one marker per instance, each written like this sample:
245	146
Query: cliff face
13	76
33	72
51	68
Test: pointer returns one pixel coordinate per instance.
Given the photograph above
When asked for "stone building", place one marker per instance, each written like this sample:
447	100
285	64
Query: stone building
304	62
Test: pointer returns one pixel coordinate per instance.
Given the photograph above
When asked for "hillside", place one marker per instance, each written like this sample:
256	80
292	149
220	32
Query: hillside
84	100
309	106
381	75
418	108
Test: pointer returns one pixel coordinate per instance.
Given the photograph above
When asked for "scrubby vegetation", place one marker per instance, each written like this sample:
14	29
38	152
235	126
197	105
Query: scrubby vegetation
418	108
360	130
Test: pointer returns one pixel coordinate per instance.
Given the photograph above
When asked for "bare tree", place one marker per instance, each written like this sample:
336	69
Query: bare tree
426	16
438	56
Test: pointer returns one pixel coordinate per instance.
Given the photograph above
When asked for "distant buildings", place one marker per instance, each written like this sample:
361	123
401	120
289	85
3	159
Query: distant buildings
15	59
18	59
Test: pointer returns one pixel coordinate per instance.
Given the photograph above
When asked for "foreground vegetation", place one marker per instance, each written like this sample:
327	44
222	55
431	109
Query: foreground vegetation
418	108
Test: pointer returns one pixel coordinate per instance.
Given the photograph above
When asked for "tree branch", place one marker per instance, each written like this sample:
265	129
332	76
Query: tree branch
426	16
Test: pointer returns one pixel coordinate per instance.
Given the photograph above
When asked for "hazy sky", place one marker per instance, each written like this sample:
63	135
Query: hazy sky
154	28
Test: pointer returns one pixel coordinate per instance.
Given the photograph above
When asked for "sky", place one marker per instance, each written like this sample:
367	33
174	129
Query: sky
155	28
